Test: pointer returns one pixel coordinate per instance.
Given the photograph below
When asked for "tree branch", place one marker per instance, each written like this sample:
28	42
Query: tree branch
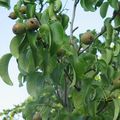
84	50
77	88
41	3
104	105
74	29
59	97
65	94
99	34
72	21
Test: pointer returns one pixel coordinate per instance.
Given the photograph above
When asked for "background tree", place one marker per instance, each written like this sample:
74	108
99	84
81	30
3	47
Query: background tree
65	77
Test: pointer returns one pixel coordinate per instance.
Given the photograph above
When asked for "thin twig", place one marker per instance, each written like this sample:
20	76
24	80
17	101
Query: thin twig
41	3
77	88
59	97
65	94
80	46
91	69
84	50
74	29
64	7
73	18
66	72
104	104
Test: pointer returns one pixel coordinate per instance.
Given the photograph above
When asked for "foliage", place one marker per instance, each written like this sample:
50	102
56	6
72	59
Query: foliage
66	78
5	3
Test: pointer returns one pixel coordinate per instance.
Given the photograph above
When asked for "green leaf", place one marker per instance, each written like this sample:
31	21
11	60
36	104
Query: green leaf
14	45
88	5
44	111
57	34
107	55
101	66
103	9
20	79
74	78
117	49
45	33
65	21
79	65
23	45
34	83
51	12
117	21
17	9
109	30
110	72
57	5
92	108
4	69
5	3
117	108
38	16
57	74
99	3
28	111
26	61
32	38
31	10
78	101
45	17
49	63
114	4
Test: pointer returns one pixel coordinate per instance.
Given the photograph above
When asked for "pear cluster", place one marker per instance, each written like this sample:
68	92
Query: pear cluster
30	24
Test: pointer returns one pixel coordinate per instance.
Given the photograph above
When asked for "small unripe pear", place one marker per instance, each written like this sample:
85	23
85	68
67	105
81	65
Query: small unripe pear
87	38
12	15
116	82
37	116
32	24
60	52
19	28
23	9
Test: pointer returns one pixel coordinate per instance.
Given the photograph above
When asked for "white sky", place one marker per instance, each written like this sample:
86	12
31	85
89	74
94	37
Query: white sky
10	96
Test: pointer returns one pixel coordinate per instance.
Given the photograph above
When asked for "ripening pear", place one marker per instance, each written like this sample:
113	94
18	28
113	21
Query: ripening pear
87	38
12	15
19	28
23	9
116	82
32	24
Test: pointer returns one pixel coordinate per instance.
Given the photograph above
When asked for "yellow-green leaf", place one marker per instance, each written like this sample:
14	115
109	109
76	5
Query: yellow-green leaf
4	68
14	46
103	9
117	108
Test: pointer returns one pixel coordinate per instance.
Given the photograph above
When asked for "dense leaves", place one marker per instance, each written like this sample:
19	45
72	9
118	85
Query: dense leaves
66	78
5	3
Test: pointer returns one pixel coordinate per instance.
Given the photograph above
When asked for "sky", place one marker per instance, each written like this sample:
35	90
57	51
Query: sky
10	96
